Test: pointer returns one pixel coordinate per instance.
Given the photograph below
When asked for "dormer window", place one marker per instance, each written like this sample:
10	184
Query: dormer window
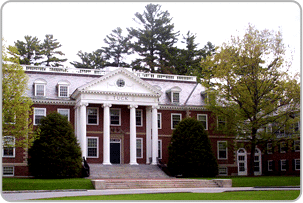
63	89
208	96
174	94
39	87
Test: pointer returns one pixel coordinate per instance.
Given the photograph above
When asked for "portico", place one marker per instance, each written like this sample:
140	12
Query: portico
119	87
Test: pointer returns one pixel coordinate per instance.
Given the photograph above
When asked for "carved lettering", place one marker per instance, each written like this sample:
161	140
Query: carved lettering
121	98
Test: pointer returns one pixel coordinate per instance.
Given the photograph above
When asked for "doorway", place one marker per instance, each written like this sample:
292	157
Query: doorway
115	151
242	162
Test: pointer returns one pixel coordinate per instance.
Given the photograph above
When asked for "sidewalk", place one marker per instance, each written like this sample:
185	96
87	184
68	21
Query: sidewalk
26	195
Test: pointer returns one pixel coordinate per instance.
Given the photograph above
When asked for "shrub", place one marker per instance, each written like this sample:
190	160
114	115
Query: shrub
190	152
56	153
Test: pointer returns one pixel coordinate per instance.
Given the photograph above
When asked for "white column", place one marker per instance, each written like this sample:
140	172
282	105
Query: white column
82	128
154	135
133	151
148	134
106	134
76	122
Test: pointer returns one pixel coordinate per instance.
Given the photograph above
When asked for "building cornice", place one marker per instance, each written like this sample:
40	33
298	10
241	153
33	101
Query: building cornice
54	102
182	108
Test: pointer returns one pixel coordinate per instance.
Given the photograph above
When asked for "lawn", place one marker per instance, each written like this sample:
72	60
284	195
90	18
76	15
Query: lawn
247	195
9	184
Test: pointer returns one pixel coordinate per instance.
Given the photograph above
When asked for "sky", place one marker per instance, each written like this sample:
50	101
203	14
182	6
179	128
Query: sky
84	25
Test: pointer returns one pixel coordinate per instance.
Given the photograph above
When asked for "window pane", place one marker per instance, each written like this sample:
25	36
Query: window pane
176	119
63	91
138	117
92	117
176	97
115	117
8	170
139	148
39	90
92	146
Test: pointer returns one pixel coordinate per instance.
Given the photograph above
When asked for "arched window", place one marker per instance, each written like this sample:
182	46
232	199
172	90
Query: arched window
242	162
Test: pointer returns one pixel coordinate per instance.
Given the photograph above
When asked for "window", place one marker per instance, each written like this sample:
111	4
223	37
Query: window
8	171
221	122
39	113
139	147
297	164
222	149
159	149
92	116
64	112
174	94
63	91
139	117
283	147
270	165
223	171
159	115
283	165
203	119
297	145
9	117
176	97
269	148
92	147
120	83
175	119
115	117
40	90
8	146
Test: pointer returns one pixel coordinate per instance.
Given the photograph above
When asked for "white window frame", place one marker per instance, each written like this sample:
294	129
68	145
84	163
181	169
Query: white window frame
60	109
272	167
225	122
87	113
282	145
225	169
297	164
119	117
141	117
59	90
173	99
9	175
159	149
44	109
175	114
159	120
198	115
297	144
281	165
269	148
141	148
218	150
96	138
36	87
12	143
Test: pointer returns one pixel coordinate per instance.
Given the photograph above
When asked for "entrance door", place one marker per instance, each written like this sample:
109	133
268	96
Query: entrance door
257	162
242	162
115	151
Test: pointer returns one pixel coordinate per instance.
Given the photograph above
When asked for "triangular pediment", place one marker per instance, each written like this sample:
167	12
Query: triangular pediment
120	81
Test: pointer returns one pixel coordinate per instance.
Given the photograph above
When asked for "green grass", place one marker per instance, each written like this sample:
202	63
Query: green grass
9	184
265	181
247	195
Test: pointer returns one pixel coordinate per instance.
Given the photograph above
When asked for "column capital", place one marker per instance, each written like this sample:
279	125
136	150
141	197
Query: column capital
107	105
83	104
132	106
155	107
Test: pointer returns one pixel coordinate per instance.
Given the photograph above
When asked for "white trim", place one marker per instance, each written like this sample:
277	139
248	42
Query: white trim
269	149
97	138
68	112
119	117
218	150
160	148
171	118
270	161
296	164
242	161
8	167
159	127
296	143
283	160
281	147
87	111
201	121
59	90
14	149
44	109
141	112
37	88
141	147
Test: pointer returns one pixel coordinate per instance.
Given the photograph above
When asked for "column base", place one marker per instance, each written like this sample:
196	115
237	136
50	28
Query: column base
107	164
133	164
154	164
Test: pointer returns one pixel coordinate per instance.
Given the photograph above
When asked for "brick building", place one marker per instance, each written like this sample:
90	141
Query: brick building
125	117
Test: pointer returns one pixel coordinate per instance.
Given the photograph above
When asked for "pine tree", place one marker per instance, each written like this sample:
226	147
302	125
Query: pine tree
29	51
94	60
48	49
118	47
154	39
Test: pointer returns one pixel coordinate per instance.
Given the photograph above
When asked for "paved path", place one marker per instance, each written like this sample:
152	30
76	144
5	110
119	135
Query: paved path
17	196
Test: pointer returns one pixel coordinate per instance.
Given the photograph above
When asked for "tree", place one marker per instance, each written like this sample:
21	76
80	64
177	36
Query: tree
48	49
153	39
56	153
94	60
118	46
29	51
251	88
16	108
190	152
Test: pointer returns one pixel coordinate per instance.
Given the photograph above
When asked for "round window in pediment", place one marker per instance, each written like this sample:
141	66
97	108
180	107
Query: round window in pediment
120	83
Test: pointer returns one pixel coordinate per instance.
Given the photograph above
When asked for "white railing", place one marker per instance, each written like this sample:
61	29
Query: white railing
106	70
